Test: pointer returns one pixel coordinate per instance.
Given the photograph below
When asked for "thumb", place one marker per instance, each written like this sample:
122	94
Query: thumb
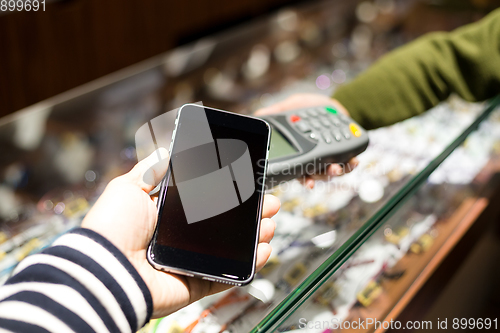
275	108
149	172
293	102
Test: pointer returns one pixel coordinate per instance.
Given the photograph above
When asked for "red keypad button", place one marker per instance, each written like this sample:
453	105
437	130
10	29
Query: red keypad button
294	118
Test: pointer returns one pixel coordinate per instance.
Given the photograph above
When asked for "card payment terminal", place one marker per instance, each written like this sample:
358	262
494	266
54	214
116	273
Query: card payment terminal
305	141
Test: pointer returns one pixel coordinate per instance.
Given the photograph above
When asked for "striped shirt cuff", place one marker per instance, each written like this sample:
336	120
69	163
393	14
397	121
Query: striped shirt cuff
82	283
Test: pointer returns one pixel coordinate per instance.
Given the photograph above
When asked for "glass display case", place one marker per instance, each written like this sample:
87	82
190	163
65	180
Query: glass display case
391	253
338	249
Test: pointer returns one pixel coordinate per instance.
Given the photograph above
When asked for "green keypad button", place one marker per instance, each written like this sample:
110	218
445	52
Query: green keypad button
331	110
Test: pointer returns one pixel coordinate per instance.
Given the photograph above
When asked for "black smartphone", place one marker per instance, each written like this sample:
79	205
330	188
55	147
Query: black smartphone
210	201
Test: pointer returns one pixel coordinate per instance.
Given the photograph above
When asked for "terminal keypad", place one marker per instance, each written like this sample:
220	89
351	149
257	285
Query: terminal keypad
320	123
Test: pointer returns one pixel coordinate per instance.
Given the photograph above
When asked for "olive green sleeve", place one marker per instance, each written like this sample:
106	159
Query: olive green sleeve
417	76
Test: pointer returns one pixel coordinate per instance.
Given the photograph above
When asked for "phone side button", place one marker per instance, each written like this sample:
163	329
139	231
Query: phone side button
207	278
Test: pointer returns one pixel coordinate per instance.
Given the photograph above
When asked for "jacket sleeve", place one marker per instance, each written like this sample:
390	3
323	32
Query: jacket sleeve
82	283
417	76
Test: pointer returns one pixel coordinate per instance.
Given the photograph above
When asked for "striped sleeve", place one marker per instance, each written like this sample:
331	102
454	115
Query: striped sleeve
82	283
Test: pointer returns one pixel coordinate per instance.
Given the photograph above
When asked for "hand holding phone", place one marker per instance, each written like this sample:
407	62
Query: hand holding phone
126	215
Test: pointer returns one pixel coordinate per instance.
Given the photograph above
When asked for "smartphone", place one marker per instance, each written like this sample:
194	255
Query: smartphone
210	200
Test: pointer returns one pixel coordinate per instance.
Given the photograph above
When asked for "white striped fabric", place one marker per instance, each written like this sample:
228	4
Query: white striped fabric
17	311
87	279
82	283
64	295
104	258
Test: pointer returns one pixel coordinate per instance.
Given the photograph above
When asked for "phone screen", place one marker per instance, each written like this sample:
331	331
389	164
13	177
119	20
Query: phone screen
210	204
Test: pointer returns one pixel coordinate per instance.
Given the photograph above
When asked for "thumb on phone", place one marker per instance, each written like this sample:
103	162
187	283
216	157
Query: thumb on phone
150	171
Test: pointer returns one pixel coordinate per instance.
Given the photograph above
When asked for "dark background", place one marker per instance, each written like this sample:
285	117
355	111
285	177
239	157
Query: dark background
75	41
